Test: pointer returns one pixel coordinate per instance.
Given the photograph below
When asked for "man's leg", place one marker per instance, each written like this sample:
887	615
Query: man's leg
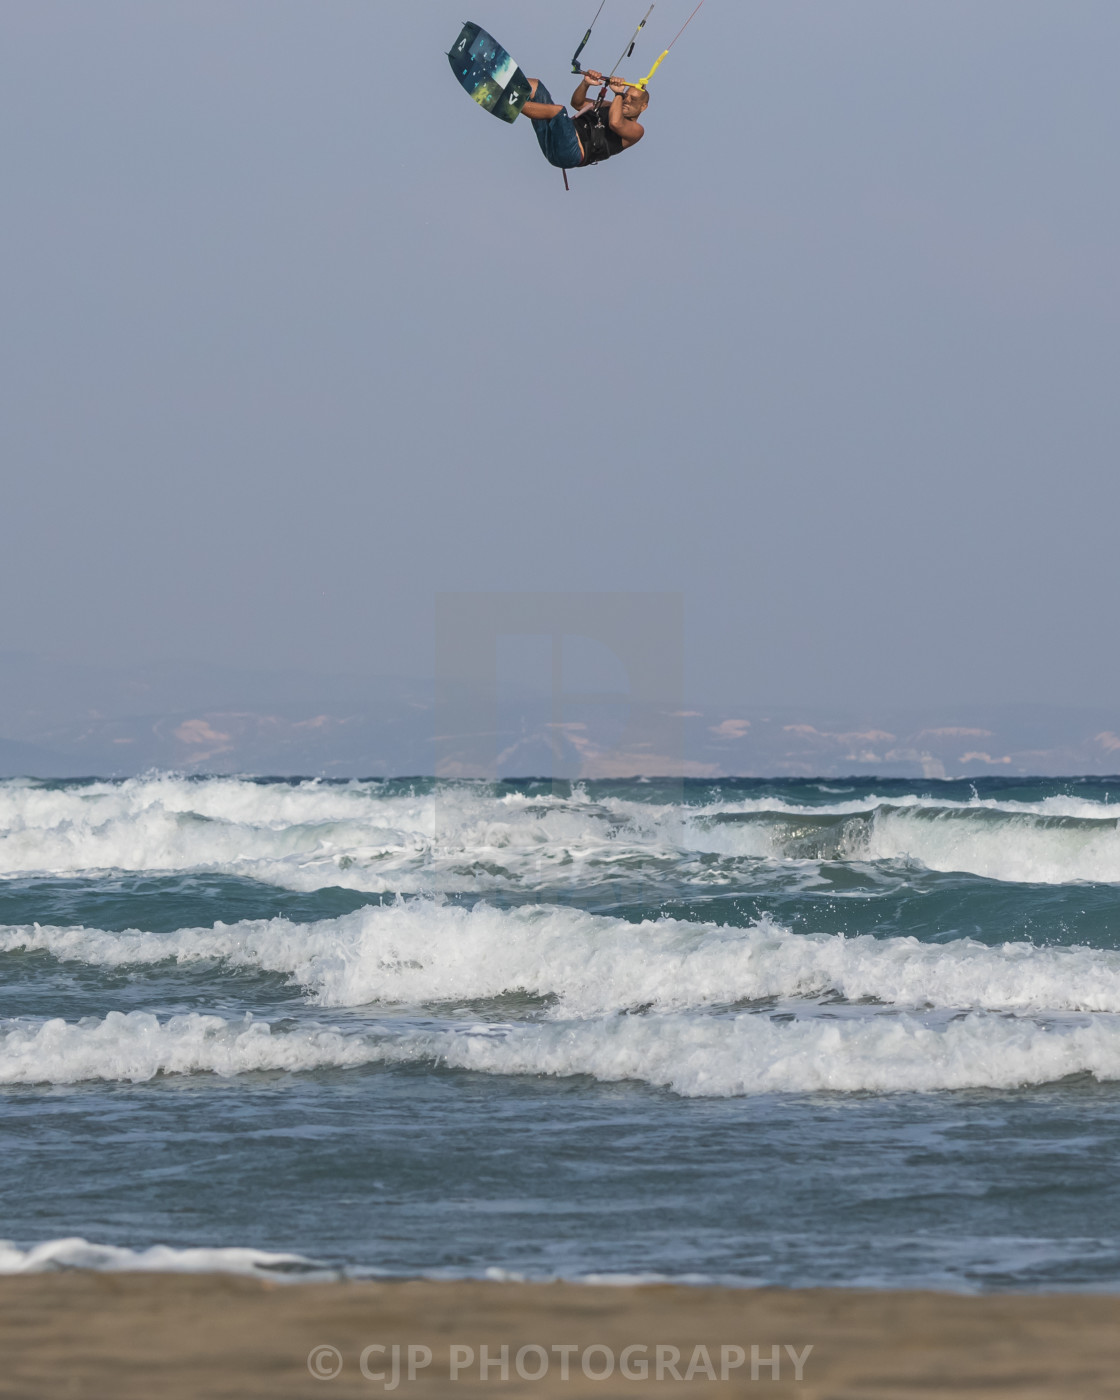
540	111
556	132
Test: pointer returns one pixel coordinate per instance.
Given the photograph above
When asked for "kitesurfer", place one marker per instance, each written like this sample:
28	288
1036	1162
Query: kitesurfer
598	131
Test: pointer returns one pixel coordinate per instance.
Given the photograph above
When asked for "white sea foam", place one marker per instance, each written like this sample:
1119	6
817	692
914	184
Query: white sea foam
75	1253
694	1055
724	1056
421	951
370	837
137	1046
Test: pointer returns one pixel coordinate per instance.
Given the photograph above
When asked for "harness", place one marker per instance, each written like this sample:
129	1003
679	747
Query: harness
599	142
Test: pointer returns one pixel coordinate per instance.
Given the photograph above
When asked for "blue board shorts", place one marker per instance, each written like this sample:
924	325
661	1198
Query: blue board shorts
557	135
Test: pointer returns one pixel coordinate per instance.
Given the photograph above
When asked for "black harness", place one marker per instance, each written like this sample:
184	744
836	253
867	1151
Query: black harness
599	142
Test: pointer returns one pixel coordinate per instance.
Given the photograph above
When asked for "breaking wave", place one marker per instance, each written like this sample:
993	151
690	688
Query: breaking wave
136	1046
467	837
703	1057
422	952
75	1253
692	1055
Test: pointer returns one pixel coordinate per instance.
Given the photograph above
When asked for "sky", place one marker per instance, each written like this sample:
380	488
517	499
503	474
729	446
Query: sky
295	338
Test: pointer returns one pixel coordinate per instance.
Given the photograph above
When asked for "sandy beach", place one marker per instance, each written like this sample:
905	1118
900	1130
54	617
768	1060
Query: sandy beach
97	1336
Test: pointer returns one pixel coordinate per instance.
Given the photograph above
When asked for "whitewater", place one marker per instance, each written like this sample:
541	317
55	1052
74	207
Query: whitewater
779	1032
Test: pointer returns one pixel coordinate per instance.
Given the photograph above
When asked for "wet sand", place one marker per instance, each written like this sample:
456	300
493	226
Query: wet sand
116	1337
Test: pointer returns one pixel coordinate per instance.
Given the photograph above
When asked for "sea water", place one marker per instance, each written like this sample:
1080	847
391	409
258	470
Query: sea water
849	1033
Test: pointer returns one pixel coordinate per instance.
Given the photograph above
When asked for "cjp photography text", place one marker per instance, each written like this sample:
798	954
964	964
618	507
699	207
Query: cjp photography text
390	1366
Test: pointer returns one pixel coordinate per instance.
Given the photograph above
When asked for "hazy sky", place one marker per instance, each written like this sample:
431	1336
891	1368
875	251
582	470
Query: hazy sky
295	336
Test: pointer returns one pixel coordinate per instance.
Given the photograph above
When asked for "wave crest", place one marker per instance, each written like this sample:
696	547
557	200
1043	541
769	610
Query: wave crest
471	838
696	1056
422	952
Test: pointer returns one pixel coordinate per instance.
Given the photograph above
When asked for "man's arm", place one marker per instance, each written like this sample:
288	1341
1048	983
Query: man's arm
581	96
631	132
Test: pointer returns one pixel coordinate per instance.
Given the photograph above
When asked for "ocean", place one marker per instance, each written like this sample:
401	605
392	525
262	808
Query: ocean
754	1032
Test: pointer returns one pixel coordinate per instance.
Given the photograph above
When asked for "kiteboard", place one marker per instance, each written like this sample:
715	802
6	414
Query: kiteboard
488	73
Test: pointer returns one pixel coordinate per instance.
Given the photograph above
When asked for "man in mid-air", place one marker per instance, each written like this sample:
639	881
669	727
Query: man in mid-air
597	132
